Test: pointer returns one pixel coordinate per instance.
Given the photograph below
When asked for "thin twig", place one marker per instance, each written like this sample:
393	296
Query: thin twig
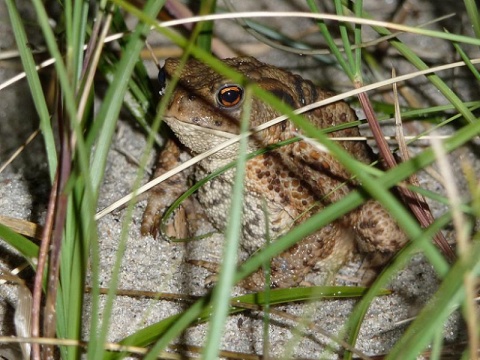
57	233
42	260
419	207
19	150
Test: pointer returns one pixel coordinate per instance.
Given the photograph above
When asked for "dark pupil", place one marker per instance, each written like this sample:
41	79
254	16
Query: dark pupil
230	96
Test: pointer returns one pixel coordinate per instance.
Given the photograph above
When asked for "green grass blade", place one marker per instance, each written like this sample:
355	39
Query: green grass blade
108	113
233	233
169	328
27	248
422	243
436	80
357	66
331	43
448	297
165	331
204	30
35	86
344	35
465	58
139	98
472	10
73	264
79	25
62	73
107	117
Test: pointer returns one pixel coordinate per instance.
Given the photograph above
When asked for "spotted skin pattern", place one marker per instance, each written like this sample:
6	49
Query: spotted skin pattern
292	183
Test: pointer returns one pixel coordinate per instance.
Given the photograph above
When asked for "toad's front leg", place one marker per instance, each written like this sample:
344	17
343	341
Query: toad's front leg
165	193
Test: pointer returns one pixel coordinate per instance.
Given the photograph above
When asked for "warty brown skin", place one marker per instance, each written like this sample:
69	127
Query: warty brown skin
295	181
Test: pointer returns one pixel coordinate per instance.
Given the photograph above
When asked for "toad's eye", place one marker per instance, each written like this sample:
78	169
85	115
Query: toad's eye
230	95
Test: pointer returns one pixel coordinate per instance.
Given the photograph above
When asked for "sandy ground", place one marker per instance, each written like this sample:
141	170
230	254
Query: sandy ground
156	265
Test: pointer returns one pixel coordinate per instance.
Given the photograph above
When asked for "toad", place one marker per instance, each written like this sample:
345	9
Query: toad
289	183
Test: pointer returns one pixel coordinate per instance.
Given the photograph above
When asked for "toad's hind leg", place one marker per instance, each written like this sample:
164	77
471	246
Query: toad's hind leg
378	234
327	248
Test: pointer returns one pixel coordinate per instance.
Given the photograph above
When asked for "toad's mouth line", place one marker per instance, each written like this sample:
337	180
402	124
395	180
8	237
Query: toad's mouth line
179	126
